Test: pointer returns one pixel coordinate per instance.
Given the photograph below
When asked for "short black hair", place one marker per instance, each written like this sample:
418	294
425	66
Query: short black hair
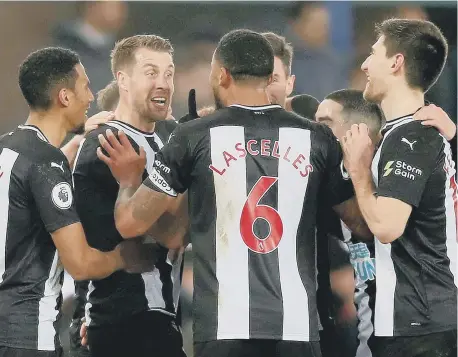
246	55
305	105
282	49
356	109
42	71
423	45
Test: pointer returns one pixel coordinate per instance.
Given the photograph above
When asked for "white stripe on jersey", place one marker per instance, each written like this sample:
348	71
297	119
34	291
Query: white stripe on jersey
231	251
291	193
140	139
152	281
87	308
450	210
365	327
386	275
363	310
47	310
7	159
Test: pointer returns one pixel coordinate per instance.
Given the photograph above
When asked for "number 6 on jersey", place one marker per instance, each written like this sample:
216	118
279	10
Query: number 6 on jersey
252	211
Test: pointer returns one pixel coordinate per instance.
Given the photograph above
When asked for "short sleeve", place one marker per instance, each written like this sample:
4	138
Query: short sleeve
172	169
51	186
408	156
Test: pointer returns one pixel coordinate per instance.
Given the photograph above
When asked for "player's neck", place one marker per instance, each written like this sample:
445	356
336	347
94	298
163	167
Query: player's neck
248	96
127	115
401	101
52	125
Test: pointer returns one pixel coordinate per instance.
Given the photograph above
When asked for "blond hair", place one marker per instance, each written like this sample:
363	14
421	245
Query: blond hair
123	54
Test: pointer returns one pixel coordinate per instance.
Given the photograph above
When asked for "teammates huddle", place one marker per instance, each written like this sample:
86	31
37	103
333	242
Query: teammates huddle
248	185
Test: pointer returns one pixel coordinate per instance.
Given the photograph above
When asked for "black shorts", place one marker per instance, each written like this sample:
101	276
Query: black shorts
22	352
441	344
143	335
256	348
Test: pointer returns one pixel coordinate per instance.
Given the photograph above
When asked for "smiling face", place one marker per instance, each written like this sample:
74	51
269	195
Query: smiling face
149	83
378	69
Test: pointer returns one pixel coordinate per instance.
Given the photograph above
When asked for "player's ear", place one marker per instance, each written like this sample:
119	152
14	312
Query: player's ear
63	96
397	62
122	79
224	78
290	84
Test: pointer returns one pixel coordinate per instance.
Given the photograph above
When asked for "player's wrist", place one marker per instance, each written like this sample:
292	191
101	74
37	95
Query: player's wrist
130	182
360	176
118	261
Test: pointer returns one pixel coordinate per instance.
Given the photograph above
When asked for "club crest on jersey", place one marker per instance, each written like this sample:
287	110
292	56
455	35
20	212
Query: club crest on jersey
62	196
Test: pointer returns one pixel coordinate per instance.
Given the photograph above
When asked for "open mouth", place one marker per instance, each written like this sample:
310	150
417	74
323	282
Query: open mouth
160	101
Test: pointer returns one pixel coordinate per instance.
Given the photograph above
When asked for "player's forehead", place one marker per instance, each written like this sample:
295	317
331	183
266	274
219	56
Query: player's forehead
328	109
379	45
81	73
146	57
215	62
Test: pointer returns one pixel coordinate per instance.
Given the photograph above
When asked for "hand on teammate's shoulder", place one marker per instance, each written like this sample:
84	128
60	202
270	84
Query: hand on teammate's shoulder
94	121
432	115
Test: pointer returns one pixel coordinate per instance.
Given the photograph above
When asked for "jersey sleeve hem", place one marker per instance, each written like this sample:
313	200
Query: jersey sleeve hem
398	195
51	228
156	182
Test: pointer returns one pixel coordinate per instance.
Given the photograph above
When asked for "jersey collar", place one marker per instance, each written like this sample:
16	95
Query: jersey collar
262	107
35	129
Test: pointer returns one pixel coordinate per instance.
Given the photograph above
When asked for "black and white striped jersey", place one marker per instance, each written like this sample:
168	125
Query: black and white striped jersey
254	177
361	255
416	274
35	200
122	294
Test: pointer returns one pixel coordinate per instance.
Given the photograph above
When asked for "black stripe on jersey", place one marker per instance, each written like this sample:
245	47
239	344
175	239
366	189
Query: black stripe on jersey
306	253
263	286
165	272
207	301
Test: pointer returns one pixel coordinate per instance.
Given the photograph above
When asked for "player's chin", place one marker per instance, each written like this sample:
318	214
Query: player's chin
368	94
155	116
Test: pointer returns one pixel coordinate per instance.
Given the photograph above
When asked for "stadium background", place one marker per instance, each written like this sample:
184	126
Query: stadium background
332	42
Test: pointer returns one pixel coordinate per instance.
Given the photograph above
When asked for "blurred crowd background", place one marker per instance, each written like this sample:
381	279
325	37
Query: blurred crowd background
330	39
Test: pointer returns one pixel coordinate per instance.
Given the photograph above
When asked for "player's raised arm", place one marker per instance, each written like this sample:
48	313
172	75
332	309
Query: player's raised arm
406	160
139	206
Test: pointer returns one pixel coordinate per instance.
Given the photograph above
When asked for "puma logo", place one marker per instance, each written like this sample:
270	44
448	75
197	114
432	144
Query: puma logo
404	140
61	166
